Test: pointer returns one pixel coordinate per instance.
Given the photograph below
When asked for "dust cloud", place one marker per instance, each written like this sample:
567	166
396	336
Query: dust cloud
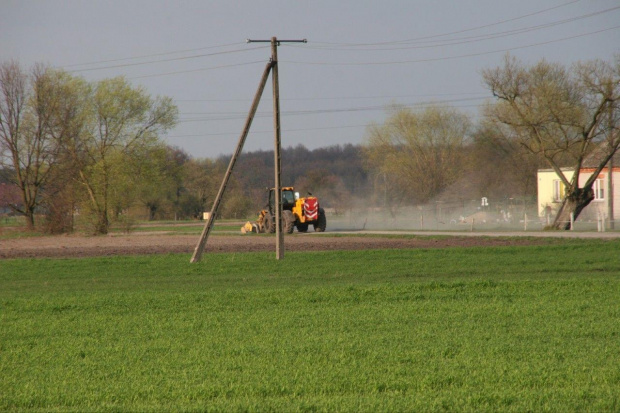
469	215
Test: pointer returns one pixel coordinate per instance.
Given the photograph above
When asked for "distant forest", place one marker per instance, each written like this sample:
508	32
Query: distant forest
302	166
334	173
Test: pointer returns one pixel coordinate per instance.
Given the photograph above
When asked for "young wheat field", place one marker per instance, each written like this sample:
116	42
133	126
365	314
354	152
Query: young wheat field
531	328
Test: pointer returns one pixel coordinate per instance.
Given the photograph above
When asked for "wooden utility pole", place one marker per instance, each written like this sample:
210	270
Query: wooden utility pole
277	139
271	66
277	160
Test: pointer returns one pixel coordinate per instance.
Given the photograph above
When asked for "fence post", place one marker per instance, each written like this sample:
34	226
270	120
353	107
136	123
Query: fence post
472	225
572	221
525	222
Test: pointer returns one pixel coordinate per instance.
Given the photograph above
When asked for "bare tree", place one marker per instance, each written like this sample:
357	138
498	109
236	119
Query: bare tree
562	115
32	128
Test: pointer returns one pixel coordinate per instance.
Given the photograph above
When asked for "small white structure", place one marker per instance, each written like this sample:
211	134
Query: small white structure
606	203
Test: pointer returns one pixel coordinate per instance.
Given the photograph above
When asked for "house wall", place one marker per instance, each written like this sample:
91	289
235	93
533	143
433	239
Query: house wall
547	205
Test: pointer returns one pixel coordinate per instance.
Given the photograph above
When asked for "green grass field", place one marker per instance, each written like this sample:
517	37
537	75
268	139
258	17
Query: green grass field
480	329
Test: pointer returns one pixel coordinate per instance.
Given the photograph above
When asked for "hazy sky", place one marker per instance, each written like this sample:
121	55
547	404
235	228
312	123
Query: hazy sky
360	57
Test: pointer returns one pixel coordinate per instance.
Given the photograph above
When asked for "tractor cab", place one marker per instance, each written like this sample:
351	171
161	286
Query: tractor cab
289	197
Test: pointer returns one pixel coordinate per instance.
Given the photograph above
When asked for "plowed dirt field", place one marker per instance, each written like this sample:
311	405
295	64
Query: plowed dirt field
141	244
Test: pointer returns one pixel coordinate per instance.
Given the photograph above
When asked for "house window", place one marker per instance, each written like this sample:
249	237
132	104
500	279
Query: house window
558	190
599	189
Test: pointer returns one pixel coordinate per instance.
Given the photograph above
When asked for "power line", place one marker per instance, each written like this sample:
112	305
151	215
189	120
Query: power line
327	43
286	130
151	55
341	97
198	70
170	60
375	63
237	115
454	32
470	39
402	42
268	131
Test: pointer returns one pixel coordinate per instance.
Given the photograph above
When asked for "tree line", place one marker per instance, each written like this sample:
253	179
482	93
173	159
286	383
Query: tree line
70	143
93	150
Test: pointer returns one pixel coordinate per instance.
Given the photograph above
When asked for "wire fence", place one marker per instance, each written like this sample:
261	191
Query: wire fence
481	215
472	215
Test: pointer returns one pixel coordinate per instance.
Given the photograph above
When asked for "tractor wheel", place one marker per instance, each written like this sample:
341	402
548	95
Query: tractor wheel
321	222
270	225
288	221
302	227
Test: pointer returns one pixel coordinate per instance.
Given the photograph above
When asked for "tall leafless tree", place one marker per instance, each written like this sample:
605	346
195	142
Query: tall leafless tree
31	129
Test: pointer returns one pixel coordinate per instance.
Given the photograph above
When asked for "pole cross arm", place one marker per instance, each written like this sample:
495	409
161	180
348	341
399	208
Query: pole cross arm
278	41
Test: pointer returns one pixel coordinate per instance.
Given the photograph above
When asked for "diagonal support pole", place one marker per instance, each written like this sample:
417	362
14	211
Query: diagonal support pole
218	199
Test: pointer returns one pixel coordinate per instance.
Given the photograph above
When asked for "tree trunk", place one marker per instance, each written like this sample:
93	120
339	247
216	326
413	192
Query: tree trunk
103	224
574	203
29	205
152	211
29	215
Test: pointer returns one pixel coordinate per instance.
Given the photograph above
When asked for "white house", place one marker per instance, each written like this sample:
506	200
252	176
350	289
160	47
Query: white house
606	203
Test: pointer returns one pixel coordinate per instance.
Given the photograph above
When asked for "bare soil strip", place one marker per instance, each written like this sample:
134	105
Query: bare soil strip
134	244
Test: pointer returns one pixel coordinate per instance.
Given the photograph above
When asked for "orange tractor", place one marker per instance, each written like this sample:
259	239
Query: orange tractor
297	213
